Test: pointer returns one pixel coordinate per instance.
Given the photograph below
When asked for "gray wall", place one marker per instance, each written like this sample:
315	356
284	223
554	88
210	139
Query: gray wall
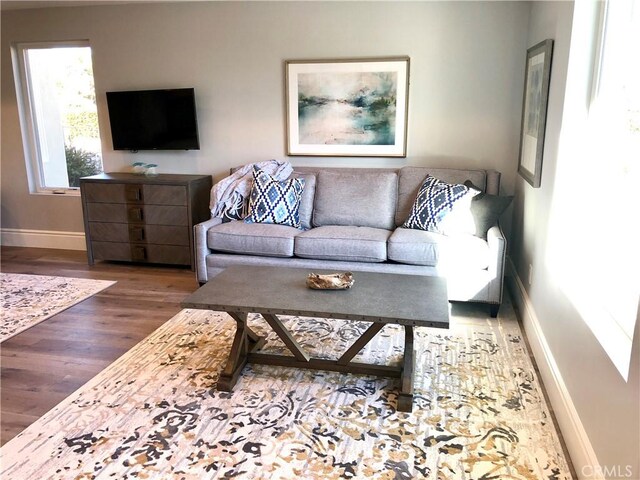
467	62
608	406
464	100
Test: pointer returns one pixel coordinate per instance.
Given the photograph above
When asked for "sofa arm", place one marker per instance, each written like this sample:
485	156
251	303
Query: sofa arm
498	254
201	249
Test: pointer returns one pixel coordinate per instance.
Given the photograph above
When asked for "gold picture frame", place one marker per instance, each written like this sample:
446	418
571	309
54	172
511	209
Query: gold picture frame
351	107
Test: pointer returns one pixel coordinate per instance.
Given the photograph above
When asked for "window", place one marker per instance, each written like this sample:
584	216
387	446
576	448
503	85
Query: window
594	229
58	115
615	111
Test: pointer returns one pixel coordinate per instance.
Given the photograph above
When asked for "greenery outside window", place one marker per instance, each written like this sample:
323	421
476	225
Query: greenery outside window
58	114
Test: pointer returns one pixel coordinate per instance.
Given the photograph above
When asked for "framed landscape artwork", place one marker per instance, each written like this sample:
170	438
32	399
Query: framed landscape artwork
534	111
347	107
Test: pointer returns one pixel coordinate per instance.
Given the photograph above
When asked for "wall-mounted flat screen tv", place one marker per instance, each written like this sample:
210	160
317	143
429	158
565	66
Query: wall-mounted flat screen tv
153	119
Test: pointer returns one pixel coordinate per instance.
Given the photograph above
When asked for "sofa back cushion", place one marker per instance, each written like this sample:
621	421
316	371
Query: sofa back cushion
410	179
361	199
306	203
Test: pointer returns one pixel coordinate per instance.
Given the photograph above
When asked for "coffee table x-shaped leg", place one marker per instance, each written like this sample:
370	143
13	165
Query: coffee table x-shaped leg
247	343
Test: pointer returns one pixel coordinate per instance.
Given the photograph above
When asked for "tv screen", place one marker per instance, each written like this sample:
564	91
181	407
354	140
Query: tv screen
153	119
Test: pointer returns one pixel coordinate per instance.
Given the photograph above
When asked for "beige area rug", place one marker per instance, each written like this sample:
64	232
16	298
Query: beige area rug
29	299
155	413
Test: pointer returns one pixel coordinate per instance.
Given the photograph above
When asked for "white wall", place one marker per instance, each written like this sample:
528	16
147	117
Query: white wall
598	411
464	100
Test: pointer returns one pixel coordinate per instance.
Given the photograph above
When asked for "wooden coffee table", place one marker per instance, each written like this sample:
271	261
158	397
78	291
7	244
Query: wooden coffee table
379	298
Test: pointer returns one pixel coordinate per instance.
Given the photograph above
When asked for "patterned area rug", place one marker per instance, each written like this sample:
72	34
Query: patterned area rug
155	412
30	299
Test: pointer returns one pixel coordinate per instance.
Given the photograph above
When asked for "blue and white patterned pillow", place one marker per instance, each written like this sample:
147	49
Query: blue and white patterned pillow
272	201
435	200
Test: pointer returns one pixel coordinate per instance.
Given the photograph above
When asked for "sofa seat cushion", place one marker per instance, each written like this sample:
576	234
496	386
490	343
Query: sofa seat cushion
418	247
252	238
346	243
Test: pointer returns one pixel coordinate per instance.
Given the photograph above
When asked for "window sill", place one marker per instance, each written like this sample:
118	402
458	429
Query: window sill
58	193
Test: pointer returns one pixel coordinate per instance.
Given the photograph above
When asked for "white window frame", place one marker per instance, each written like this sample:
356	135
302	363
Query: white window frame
610	332
598	87
604	298
600	33
26	112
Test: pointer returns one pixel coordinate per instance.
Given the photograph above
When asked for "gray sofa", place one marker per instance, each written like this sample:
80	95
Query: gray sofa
352	221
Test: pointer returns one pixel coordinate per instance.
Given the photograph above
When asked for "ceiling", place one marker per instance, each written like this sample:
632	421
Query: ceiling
26	4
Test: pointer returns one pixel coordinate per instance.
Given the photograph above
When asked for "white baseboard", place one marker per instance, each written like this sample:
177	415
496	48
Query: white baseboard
17	237
583	456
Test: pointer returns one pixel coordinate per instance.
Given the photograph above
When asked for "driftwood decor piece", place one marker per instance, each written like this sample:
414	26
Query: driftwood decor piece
333	281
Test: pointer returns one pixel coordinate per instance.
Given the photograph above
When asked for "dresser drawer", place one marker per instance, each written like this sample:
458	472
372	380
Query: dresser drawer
164	195
109	232
168	254
122	232
111	251
135	193
157	215
159	234
148	214
125	252
107	212
104	192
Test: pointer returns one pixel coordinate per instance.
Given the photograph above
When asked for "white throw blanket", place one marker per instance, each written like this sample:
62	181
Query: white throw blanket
229	195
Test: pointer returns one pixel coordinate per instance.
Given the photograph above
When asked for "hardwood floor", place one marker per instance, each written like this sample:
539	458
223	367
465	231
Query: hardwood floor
46	363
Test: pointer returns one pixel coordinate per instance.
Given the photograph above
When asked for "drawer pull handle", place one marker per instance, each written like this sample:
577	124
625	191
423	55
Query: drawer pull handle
134	193
136	214
139	253
137	234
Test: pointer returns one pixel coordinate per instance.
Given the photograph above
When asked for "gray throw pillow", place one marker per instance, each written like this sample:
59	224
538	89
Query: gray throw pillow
486	209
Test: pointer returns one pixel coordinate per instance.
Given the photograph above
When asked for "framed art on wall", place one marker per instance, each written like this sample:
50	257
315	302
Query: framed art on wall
534	111
354	107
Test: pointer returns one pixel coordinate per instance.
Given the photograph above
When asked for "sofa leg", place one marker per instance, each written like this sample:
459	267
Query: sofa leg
493	309
202	283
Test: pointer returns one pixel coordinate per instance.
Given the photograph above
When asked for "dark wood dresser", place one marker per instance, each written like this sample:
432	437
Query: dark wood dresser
138	218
